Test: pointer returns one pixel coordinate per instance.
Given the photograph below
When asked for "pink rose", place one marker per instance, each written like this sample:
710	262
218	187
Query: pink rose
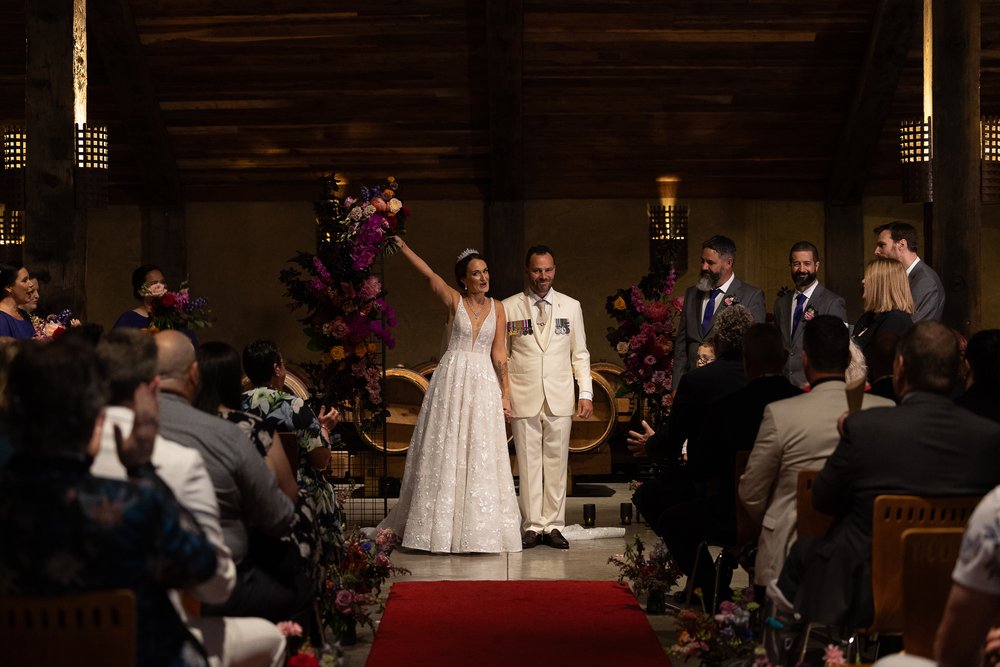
154	290
379	204
290	628
343	601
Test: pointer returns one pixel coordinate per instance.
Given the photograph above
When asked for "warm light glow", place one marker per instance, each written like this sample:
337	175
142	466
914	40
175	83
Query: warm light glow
666	186
80	62
928	61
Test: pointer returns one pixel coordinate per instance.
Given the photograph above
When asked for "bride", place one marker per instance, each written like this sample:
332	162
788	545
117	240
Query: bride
457	494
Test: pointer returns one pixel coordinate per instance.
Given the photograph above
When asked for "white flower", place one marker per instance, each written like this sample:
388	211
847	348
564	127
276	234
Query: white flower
369	211
356	213
395	205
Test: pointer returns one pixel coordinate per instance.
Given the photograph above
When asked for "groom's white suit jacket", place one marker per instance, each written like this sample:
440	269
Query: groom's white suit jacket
543	363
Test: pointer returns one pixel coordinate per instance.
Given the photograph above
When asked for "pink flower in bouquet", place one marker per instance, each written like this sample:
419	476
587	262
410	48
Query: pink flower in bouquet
678	302
339	328
363	257
181	298
52	329
833	656
349	202
621	348
649	388
657	311
379	204
344	600
650	360
155	290
290	628
370	288
169	300
660	377
317	286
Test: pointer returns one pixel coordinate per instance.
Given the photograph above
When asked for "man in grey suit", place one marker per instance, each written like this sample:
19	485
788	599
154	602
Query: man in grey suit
898	240
794	309
717	288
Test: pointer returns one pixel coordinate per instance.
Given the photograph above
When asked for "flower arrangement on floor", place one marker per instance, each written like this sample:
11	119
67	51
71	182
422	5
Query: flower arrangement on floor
644	337
176	310
656	573
350	591
53	325
346	310
300	653
715	638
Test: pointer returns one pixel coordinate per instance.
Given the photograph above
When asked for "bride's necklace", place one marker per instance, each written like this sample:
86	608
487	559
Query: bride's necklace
476	313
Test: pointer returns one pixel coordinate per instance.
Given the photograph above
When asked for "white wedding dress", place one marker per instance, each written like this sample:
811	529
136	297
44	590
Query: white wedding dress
458	492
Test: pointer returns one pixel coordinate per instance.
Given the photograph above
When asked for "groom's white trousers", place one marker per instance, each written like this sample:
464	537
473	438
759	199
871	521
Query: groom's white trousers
542	446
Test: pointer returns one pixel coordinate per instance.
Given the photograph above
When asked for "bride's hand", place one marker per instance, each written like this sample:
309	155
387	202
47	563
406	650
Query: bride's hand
398	242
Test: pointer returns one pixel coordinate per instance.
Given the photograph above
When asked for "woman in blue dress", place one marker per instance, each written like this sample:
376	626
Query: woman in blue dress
148	284
15	283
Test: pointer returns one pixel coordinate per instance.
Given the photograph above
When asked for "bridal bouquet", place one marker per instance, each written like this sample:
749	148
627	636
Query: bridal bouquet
53	325
176	310
346	311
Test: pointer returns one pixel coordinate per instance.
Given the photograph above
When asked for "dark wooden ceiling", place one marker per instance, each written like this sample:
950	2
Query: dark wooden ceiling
735	98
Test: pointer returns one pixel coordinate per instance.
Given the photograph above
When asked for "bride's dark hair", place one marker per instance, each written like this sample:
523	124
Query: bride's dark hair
462	267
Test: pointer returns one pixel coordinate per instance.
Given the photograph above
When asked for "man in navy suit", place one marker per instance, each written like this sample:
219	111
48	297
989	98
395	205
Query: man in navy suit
717	288
794	309
898	240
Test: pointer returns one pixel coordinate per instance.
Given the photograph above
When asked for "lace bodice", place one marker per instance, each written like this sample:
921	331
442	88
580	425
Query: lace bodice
462	330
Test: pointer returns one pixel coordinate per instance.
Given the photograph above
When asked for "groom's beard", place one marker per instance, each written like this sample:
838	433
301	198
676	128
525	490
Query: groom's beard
708	281
803	279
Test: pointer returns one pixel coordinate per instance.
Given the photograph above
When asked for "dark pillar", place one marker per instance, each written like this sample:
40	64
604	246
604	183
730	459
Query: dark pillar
505	244
956	212
55	246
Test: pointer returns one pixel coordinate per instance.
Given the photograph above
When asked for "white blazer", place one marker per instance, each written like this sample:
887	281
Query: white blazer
543	363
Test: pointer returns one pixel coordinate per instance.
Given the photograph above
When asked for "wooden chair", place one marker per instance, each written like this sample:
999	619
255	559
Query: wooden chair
88	629
809	521
290	443
929	556
891	517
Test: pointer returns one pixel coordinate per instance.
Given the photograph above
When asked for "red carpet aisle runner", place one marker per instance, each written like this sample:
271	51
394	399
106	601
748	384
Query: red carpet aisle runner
485	623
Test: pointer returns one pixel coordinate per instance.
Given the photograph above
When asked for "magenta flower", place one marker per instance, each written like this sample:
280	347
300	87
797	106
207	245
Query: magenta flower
344	600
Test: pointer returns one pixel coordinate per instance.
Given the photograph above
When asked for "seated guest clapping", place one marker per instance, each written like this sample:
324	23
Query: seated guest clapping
66	531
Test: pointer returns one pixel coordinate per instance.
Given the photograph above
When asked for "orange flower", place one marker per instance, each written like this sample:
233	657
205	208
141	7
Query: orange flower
337	353
360	350
372	347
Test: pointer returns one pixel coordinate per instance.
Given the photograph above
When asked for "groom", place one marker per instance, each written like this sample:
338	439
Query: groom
547	346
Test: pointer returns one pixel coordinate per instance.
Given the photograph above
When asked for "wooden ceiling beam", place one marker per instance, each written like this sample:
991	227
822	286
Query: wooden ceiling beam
115	37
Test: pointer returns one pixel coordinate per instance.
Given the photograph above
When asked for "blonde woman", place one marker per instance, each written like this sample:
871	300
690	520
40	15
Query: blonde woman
888	303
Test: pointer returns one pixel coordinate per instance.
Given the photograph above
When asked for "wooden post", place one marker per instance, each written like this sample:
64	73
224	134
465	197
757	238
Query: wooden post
843	264
55	246
957	209
505	243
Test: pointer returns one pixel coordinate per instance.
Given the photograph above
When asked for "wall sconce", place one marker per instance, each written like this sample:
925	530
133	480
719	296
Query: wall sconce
916	156
589	515
915	153
11	228
668	225
90	177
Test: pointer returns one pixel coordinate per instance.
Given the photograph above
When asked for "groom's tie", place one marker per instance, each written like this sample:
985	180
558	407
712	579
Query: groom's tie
543	313
706	321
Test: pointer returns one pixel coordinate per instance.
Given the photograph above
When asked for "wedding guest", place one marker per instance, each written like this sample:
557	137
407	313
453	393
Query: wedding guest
936	449
129	361
887	303
67	531
982	385
148	284
220	393
882	353
706	354
15	284
320	540
33	295
250	502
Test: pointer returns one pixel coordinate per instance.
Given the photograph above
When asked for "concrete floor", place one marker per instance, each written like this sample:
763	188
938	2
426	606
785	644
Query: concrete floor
585	559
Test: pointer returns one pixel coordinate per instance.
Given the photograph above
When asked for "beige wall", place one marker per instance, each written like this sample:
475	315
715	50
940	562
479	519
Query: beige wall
236	250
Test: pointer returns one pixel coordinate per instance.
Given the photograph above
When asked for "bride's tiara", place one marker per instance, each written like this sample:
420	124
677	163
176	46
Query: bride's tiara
465	253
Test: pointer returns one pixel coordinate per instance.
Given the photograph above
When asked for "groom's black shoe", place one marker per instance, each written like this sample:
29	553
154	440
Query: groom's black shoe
530	539
554	539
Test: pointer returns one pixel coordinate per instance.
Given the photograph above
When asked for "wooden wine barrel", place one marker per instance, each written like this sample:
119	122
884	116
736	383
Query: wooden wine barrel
587	434
625	406
404	392
426	368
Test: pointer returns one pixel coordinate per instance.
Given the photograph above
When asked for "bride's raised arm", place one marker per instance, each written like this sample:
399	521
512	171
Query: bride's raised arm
449	296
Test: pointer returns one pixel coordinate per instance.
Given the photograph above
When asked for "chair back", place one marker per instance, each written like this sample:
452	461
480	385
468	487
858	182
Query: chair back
92	629
747	530
929	556
891	517
809	521
290	443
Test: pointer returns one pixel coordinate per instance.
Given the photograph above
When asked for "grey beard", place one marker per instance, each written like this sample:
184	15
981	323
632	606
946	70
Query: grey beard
705	284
